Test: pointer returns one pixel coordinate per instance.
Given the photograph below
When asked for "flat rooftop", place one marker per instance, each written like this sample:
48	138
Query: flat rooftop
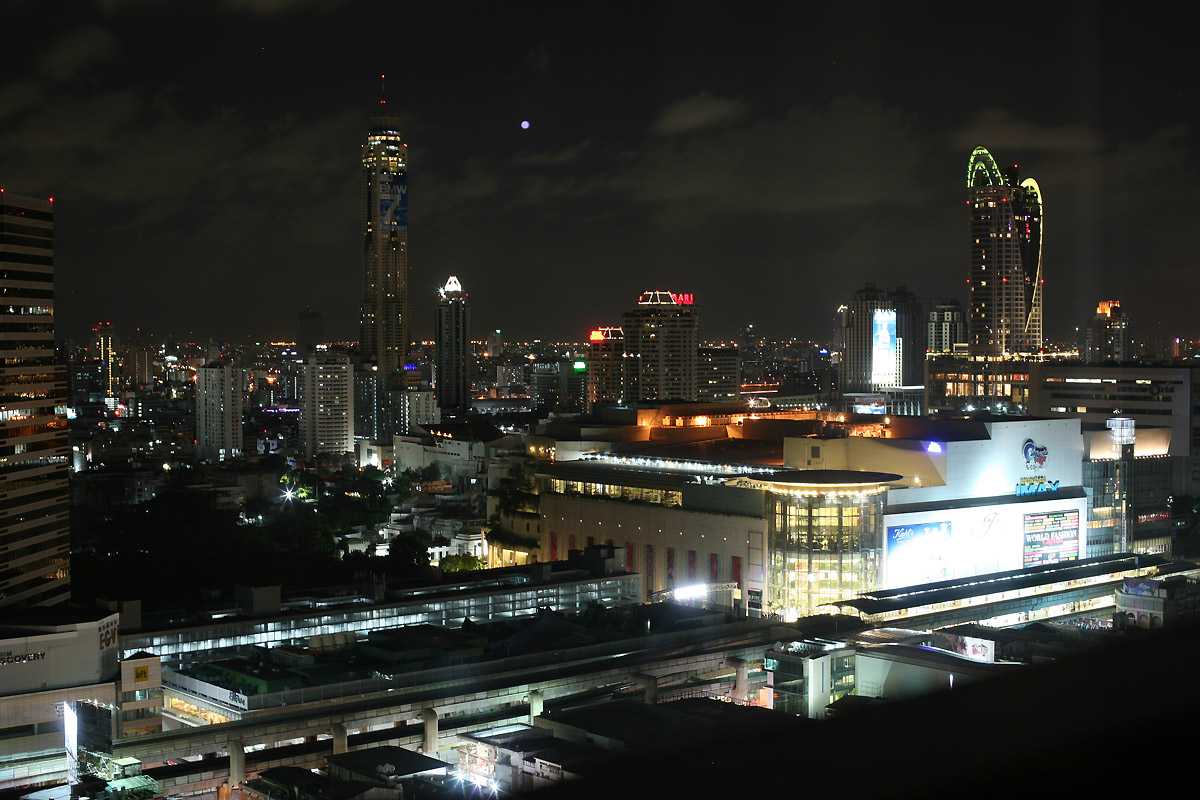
884	600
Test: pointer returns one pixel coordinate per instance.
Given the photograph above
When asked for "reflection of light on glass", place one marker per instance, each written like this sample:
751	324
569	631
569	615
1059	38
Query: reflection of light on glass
692	592
933	447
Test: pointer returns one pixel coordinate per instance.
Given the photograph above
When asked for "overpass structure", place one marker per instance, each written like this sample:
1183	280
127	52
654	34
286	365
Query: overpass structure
431	714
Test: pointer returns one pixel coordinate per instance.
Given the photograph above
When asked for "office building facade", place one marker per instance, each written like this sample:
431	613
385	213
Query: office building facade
372	412
218	411
106	352
662	337
1006	276
327	405
883	340
452	328
35	537
605	367
384	320
719	374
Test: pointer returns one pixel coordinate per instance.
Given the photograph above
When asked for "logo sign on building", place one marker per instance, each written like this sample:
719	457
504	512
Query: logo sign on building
1050	537
22	658
1035	455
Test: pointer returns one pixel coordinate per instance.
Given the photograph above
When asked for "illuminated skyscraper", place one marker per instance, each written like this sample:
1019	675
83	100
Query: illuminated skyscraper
605	367
219	411
35	536
1006	280
107	354
452	330
327	405
384	320
1106	336
662	336
883	342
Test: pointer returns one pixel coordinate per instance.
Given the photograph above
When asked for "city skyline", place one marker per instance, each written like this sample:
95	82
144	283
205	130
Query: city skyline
603	182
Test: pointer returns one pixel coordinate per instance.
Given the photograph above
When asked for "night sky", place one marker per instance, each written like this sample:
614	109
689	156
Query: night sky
769	159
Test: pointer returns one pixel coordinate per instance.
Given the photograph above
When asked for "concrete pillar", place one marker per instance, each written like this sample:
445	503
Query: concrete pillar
341	738
741	681
237	763
429	744
536	702
649	684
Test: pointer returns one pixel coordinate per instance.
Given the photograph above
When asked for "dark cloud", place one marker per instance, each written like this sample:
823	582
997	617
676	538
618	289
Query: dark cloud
1004	130
698	111
77	51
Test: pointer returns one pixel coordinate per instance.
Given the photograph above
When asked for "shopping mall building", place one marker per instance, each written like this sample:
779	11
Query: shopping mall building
810	519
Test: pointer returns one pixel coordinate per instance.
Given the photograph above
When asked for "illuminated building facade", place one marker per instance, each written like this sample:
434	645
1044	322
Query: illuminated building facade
662	335
605	367
883	340
824	537
219	411
107	354
327	405
1006	279
977	383
1106	338
35	537
384	317
947	328
1154	397
452	328
719	374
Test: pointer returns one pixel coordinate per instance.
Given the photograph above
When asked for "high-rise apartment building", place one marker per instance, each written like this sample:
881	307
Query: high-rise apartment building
662	334
327	405
883	335
414	408
35	534
1006	278
720	374
218	411
947	327
383	337
372	415
605	367
452	329
1106	337
107	354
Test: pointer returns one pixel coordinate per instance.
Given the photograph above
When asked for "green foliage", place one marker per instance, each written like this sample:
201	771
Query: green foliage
461	563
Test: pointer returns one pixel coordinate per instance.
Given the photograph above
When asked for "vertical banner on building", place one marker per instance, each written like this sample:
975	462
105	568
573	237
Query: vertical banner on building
737	570
553	546
648	570
570	543
591	540
883	349
670	567
714	568
629	548
691	566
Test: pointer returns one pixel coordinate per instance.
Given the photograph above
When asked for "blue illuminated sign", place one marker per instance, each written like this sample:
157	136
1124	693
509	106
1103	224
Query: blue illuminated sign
1036	486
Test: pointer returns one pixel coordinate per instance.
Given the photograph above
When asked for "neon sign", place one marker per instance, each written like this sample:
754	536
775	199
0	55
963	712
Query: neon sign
683	298
596	336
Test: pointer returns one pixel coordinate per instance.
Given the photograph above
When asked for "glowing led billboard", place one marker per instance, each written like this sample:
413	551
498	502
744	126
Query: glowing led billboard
883	348
927	546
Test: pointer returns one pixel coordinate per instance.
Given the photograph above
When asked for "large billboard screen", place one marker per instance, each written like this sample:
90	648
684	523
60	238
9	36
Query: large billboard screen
928	546
1050	537
883	348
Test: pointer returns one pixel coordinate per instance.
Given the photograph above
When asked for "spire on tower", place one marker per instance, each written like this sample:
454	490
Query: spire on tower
382	89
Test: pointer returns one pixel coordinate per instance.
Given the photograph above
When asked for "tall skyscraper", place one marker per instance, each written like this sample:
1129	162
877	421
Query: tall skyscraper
383	337
1106	336
883	336
1007	278
452	330
947	327
327	405
107	354
35	534
219	411
662	334
605	367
